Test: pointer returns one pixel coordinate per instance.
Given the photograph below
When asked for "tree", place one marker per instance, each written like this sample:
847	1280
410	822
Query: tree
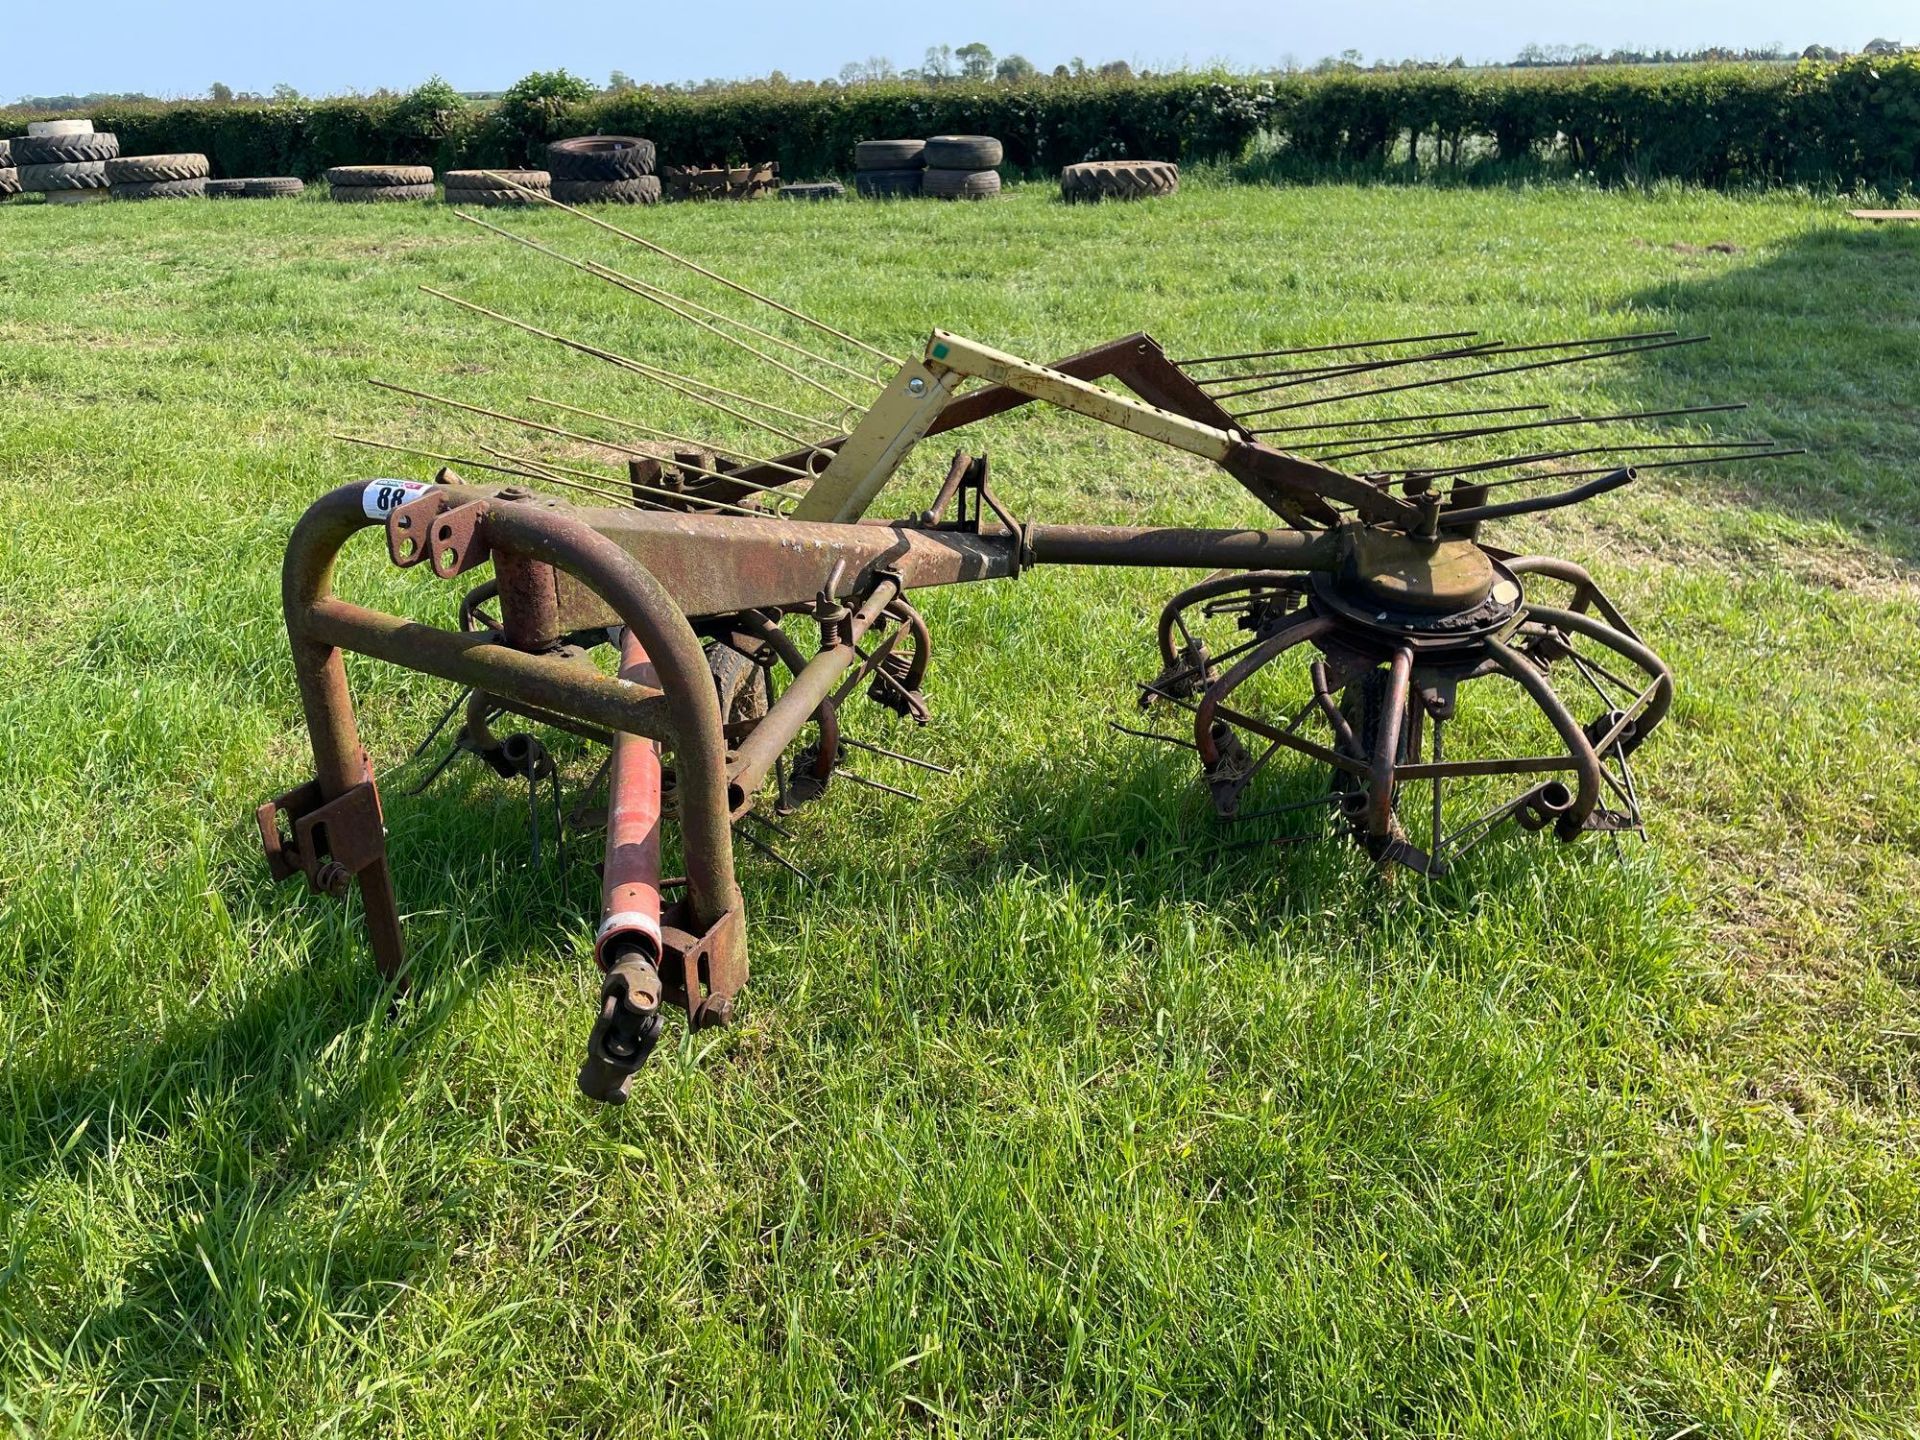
938	65
1882	47
619	82
430	111
220	94
285	94
1014	69
534	104
1116	70
976	61
866	72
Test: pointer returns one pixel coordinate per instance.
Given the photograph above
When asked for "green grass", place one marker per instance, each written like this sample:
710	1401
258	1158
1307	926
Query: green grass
1042	1117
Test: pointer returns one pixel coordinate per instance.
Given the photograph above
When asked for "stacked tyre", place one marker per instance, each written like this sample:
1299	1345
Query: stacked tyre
1119	180
885	168
261	187
372	184
65	160
497	187
9	177
603	170
961	167
157	177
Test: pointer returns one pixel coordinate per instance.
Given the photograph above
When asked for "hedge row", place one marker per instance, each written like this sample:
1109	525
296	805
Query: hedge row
1852	122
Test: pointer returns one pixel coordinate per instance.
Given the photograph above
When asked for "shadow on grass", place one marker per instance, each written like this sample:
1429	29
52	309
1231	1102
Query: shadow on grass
1820	337
247	1106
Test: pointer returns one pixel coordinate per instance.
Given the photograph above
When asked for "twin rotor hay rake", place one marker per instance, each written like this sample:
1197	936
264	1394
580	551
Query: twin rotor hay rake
1343	633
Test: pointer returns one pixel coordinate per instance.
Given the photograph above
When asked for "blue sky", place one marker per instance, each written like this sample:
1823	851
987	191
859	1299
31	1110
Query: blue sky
179	47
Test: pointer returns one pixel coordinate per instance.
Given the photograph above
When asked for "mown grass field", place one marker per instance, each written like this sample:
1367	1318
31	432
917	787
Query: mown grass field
1044	1116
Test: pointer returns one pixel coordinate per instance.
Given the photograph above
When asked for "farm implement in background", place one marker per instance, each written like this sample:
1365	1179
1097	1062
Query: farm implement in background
751	603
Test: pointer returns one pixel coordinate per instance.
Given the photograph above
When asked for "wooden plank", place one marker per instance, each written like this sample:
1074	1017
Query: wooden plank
1885	214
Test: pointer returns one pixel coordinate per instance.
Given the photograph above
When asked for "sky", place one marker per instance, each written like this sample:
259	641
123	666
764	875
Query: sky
176	48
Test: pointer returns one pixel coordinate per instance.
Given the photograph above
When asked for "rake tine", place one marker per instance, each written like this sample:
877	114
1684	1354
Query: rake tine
685	385
1397	419
1476	375
669	300
1413	442
774	855
433	455
459	749
1328	372
624	498
1324	349
896	755
555	474
1288	809
668	435
878	785
773	825
1315	374
576	435
1647	465
441	724
1151	735
645	244
503	415
635	287
1544	455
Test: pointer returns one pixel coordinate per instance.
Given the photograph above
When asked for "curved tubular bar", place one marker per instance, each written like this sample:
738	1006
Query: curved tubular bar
755	755
922	652
693	707
1208	589
1309	627
1323	697
1586	764
318	627
1586	590
306	578
1627	645
1386	743
482	709
827	754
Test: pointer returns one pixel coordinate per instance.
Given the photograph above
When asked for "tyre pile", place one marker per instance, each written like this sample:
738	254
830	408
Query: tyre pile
885	168
497	187
961	167
945	167
1119	180
262	187
65	160
9	177
603	170
157	177
373	184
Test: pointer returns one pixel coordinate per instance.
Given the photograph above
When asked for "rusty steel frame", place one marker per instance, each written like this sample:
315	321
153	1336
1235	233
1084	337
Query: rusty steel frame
693	564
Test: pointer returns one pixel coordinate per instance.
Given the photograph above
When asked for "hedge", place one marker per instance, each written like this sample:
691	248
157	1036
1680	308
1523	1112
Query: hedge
1854	123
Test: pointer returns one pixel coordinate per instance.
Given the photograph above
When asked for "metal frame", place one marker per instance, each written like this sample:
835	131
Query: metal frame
708	567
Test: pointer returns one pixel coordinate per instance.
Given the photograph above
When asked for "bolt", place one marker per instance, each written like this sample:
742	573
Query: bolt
332	879
715	1010
916	386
